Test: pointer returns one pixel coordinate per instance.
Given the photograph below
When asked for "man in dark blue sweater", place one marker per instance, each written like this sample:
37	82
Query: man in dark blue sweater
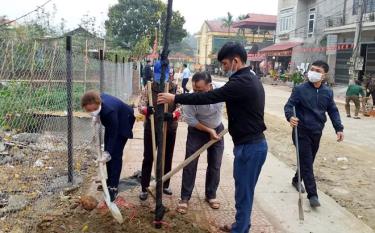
244	97
118	120
312	101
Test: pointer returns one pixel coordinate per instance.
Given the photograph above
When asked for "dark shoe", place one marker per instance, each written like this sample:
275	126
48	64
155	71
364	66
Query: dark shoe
295	185
112	193
143	196
167	191
356	117
314	201
348	116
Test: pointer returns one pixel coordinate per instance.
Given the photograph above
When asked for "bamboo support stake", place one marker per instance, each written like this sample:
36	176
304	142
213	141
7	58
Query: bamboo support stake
152	119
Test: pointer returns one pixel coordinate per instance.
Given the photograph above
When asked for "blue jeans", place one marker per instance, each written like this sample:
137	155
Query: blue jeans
248	162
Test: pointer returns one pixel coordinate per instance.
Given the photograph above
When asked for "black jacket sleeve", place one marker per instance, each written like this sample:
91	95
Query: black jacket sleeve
231	91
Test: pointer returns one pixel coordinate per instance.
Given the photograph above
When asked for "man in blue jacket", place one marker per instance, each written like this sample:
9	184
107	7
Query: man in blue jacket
312	100
118	120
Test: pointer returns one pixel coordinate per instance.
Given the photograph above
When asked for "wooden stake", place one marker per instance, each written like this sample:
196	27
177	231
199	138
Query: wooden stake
152	119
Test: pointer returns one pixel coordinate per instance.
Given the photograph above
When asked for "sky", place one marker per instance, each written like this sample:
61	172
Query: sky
194	11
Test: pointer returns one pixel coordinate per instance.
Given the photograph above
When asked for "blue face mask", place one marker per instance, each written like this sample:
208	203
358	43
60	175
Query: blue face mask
230	72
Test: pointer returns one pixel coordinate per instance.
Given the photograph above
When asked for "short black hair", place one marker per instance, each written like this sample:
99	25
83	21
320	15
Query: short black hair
206	77
321	64
230	50
185	65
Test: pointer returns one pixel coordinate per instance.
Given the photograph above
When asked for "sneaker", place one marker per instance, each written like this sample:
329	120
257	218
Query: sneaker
295	185
314	201
348	116
112	193
143	196
167	191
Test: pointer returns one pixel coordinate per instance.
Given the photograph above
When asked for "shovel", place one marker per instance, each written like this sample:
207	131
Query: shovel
115	211
300	207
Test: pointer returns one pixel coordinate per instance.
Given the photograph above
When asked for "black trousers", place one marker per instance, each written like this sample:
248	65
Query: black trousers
308	148
195	140
148	156
372	93
114	166
184	83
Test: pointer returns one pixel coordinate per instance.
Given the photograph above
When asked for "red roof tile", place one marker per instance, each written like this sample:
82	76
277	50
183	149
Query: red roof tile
217	26
257	20
280	46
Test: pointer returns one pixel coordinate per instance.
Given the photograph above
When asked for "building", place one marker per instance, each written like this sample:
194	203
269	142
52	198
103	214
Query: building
340	29
213	35
308	30
259	25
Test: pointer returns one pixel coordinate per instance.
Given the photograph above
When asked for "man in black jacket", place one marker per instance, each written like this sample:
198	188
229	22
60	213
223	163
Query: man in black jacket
244	97
312	100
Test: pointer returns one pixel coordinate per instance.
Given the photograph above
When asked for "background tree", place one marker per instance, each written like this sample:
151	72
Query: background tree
228	22
141	48
130	20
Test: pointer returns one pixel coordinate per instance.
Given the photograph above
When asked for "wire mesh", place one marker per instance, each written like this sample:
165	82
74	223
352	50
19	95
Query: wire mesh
33	124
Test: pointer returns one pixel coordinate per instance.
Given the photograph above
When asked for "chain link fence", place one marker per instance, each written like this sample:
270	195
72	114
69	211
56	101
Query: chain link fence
41	154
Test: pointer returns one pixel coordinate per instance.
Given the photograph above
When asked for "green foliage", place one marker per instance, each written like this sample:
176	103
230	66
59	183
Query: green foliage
228	22
297	78
131	20
20	102
141	48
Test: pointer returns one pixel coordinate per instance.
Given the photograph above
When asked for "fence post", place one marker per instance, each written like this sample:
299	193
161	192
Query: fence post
123	78
116	83
101	88
101	83
69	74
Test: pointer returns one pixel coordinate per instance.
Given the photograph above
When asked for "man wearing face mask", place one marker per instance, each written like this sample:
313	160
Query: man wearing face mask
118	120
244	97
312	101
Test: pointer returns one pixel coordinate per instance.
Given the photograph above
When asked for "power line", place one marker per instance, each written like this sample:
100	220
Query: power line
23	16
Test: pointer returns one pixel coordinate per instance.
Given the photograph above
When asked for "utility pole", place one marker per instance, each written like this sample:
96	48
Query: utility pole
356	61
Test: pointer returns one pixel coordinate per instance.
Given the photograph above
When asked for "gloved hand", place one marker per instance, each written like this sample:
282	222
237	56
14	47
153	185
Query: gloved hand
147	111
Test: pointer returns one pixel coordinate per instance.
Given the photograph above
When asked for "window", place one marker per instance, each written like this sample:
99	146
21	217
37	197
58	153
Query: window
369	6
286	22
311	22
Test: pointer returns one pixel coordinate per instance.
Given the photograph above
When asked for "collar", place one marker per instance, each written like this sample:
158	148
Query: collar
240	72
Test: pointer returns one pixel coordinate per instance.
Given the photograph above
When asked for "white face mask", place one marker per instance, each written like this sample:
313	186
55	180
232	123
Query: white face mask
314	76
96	113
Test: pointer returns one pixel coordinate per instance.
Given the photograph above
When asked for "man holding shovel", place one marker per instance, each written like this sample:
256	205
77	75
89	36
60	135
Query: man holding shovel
118	120
312	100
205	123
171	116
244	97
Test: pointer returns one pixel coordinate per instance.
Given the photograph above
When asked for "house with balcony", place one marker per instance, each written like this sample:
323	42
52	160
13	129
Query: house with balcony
255	29
308	30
